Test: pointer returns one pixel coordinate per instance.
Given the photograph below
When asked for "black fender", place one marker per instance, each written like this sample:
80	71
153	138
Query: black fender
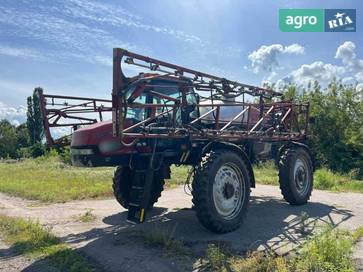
225	145
296	144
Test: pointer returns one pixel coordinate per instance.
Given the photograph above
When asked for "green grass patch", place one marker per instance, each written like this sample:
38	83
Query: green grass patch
32	239
324	179
178	176
266	173
329	250
327	180
86	217
49	180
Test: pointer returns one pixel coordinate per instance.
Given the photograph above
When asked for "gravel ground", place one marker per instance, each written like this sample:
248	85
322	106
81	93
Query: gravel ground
111	241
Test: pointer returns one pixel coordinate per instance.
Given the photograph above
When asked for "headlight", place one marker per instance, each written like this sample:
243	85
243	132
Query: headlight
83	151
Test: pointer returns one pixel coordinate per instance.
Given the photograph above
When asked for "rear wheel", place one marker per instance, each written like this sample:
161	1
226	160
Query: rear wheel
122	182
296	175
221	190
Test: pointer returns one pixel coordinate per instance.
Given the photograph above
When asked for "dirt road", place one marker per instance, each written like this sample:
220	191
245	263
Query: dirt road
110	240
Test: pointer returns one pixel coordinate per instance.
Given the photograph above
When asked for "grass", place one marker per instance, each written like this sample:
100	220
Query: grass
86	217
33	240
49	180
178	176
329	250
266	173
324	179
328	180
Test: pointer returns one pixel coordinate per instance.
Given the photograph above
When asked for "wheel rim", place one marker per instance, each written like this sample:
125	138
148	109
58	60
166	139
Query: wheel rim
228	191
301	178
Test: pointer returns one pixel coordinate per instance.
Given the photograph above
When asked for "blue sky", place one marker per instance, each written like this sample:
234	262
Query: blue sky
65	46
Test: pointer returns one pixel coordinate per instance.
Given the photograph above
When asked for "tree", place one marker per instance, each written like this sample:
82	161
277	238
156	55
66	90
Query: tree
22	136
337	134
34	117
8	140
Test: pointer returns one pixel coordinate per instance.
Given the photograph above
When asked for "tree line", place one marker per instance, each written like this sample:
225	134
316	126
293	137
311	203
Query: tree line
336	135
24	140
337	132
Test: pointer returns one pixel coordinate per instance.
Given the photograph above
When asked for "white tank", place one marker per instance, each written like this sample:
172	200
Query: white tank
227	113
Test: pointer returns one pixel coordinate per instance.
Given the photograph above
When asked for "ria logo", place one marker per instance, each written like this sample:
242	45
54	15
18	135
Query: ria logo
317	20
340	20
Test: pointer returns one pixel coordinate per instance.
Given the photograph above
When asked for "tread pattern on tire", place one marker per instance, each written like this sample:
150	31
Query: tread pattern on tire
200	193
285	167
120	192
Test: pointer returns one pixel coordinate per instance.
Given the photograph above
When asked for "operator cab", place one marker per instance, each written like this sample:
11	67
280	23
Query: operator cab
162	92
95	145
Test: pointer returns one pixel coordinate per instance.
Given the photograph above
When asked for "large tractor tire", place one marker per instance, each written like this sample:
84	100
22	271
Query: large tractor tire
296	175
221	190
122	182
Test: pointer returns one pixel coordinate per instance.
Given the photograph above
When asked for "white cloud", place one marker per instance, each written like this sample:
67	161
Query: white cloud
346	52
294	49
348	80
359	76
20	52
323	72
15	116
350	72
266	57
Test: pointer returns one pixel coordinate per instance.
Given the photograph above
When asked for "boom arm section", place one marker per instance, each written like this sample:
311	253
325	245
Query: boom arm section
69	111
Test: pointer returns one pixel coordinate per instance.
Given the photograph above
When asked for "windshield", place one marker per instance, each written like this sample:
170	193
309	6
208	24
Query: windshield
150	96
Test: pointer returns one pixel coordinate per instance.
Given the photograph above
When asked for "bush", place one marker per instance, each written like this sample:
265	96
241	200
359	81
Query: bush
37	150
65	156
24	152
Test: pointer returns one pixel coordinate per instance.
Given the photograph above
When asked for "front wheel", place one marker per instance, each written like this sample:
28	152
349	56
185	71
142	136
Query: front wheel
221	190
296	175
122	182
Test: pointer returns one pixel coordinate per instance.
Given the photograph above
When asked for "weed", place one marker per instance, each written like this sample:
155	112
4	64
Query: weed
329	250
165	240
30	238
357	234
217	260
86	217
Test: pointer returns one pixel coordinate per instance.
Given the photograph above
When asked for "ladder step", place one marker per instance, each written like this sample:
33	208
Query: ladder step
136	215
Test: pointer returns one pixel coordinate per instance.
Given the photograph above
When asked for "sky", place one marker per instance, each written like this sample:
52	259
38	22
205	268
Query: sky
65	46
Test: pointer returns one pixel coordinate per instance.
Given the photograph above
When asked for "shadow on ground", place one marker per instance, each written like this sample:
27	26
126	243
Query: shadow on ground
270	224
